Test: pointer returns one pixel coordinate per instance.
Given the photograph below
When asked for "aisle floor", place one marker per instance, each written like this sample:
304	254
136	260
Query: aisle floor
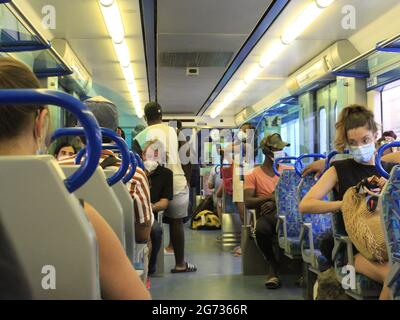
218	276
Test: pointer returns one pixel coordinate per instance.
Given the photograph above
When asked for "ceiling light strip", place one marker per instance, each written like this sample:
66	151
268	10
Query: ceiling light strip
115	26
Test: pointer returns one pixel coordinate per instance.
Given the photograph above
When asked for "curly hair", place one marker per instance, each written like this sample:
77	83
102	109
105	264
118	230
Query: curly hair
352	117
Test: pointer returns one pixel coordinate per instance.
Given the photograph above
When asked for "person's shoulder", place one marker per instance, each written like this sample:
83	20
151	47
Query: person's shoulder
343	163
254	171
167	172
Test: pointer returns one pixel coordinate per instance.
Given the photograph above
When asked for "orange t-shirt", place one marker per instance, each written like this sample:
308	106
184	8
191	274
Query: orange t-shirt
263	184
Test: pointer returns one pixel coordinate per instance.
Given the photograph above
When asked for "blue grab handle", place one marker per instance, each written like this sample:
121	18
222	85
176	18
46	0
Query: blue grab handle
329	158
90	129
298	166
120	143
276	162
378	161
132	171
132	162
82	152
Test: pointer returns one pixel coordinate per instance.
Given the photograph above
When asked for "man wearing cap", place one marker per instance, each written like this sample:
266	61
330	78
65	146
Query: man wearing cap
178	206
106	114
259	188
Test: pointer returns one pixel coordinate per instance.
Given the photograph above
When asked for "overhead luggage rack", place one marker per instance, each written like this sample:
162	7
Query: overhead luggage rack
380	65
18	36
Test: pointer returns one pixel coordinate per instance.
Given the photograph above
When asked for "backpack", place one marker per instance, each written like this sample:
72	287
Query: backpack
205	220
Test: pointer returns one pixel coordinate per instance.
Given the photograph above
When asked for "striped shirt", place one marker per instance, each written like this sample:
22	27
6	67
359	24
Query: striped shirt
138	188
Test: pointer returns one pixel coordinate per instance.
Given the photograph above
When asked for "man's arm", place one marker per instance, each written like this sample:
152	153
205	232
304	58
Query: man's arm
160	205
393	157
254	202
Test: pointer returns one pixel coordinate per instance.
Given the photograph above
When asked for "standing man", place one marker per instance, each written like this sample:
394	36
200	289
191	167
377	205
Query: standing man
178	206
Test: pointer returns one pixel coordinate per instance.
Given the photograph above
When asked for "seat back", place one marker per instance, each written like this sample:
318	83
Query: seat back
48	229
391	211
126	201
286	201
97	192
321	223
390	202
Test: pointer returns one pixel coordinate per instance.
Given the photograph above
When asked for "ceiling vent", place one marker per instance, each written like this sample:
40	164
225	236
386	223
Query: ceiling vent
192	71
195	59
317	72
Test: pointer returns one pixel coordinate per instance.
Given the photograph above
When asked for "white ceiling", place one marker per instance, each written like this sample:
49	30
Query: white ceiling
82	25
200	26
320	35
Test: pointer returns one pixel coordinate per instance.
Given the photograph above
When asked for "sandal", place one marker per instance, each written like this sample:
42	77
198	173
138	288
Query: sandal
189	268
273	283
237	252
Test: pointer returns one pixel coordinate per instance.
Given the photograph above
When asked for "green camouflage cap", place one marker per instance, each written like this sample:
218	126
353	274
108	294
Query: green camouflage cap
274	141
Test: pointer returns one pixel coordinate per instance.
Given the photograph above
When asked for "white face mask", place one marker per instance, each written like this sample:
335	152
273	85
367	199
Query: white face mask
150	165
279	154
363	154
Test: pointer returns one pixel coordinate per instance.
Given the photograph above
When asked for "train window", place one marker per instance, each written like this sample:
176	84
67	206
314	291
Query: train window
290	133
390	107
323	148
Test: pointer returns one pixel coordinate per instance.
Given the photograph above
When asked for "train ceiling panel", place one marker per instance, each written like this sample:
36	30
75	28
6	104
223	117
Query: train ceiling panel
208	26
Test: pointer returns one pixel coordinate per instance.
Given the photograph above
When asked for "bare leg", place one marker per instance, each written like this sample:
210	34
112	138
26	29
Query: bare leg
178	242
375	271
241	208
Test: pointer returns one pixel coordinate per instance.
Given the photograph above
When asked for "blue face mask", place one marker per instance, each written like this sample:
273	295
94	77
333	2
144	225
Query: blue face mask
364	153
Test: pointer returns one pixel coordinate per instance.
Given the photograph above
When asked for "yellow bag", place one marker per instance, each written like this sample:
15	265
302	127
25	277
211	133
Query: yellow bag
205	220
363	224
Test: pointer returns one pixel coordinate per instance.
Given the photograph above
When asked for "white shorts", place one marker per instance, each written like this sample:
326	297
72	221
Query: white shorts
178	206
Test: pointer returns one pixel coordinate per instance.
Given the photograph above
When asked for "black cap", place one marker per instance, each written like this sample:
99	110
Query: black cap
152	109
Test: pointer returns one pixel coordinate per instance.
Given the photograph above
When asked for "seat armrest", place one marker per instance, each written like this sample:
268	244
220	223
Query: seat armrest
307	227
160	215
343	241
281	221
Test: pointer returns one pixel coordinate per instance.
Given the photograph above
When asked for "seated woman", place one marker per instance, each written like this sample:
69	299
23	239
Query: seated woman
259	188
64	150
356	129
22	132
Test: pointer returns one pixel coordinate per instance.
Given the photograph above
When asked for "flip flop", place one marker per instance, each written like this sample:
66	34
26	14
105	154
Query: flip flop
273	283
237	252
189	268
